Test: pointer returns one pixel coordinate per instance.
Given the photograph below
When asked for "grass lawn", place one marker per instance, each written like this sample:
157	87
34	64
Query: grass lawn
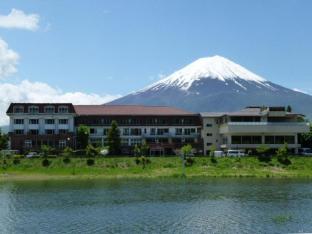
126	167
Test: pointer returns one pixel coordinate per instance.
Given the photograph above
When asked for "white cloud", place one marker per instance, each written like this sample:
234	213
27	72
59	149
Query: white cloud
8	60
27	91
18	19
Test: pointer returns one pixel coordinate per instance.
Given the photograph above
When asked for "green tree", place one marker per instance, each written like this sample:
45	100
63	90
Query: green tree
4	139
137	150
263	150
282	155
113	138
144	148
83	134
306	138
289	109
46	150
186	150
92	151
212	149
67	152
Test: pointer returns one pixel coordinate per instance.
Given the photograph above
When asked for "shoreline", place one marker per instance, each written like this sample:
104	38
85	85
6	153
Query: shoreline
160	168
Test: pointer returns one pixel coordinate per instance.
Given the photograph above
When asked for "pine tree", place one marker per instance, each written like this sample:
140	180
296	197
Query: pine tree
83	134
114	139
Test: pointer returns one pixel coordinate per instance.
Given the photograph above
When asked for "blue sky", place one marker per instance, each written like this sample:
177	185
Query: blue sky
115	47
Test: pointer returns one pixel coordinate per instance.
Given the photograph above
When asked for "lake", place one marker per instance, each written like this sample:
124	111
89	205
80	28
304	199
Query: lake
203	205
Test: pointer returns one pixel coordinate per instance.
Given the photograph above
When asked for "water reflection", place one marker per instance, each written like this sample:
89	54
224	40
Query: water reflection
154	206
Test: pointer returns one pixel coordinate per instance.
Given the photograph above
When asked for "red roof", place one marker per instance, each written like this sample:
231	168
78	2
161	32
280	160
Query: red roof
128	110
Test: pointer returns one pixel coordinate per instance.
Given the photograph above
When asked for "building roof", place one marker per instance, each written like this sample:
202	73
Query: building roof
128	110
40	106
212	114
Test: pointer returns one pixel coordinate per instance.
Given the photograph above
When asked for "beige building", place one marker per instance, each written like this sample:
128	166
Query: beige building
251	127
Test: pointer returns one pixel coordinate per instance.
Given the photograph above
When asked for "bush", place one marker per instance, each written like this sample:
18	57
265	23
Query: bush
263	154
142	160
90	161
45	162
282	155
137	161
213	159
189	161
66	160
16	161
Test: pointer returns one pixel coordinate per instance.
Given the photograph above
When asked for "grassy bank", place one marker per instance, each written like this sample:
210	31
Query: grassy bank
126	167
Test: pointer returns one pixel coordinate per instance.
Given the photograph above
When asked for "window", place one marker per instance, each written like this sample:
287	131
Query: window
209	134
209	144
63	121
189	131
49	131
63	131
290	139
279	139
34	131
92	131
18	121
62	144
124	141
135	141
28	144
18	131
34	121
269	139
49	109
125	132
236	140
18	109
63	109
162	131
105	131
135	131
178	131
208	125
153	131
33	109
49	121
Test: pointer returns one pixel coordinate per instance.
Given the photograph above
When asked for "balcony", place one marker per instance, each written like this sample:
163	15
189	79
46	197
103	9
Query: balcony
264	127
254	146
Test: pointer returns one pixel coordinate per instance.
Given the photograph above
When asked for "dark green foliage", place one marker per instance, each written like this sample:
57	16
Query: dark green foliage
83	134
90	161
142	161
45	162
16	161
282	155
264	154
113	138
92	151
213	159
66	160
189	161
289	109
306	138
67	151
46	150
4	139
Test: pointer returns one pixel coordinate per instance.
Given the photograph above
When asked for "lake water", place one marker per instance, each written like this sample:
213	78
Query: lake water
157	206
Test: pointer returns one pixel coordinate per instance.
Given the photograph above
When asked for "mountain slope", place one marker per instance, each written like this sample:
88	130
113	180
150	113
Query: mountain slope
217	84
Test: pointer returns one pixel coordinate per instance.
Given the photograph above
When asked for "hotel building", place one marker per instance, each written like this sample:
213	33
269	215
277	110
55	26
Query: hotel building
251	127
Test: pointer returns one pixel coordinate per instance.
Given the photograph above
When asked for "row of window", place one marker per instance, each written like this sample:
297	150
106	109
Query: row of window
36	131
135	121
267	139
35	109
28	144
36	121
153	131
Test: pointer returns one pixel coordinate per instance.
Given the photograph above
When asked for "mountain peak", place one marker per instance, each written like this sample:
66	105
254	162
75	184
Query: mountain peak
215	67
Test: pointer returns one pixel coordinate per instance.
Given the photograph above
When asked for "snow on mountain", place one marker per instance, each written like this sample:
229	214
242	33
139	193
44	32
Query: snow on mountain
216	67
217	84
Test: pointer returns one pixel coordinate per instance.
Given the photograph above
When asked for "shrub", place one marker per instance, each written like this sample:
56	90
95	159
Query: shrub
137	161
213	159
189	161
45	162
90	161
282	155
16	161
66	160
263	154
92	151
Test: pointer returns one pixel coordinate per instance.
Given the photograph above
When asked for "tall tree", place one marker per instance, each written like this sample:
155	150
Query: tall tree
4	140
83	134
113	138
288	109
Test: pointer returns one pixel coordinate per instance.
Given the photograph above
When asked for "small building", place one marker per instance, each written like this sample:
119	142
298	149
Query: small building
251	127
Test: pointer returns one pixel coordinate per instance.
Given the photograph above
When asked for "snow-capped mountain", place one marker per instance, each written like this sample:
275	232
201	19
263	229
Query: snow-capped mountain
217	84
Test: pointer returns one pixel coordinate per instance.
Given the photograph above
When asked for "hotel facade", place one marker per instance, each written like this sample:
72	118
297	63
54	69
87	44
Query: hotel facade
164	129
